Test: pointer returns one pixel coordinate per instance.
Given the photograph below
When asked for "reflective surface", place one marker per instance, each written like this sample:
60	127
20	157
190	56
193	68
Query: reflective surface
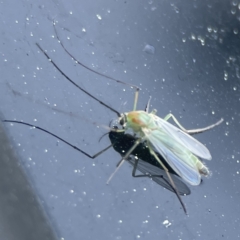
193	72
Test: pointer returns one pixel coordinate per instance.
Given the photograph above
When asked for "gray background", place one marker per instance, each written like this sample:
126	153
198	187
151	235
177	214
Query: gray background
194	73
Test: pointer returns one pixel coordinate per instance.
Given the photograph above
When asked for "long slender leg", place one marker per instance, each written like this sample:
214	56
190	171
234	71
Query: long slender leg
120	163
169	177
61	139
192	131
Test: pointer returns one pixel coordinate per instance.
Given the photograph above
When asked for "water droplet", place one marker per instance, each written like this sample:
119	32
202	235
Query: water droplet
149	49
209	29
193	37
225	76
99	17
167	223
184	40
233	11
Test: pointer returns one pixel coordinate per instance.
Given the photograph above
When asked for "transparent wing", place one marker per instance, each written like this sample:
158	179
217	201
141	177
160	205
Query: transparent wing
181	160
148	169
183	138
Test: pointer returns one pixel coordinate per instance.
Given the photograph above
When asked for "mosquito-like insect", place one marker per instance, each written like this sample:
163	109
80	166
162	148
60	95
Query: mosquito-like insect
175	145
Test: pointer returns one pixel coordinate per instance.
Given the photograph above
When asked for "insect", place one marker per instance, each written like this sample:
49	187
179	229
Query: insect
175	145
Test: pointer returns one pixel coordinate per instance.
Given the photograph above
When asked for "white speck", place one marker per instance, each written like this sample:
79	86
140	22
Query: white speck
134	190
71	191
83	30
144	189
31	34
234	88
99	17
35	120
213	112
120	221
167	223
98	216
193	37
71	12
45	150
235	31
149	49
138	236
84	193
16	21
184	40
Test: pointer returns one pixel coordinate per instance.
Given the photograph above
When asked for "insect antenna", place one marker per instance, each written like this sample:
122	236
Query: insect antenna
76	85
94	71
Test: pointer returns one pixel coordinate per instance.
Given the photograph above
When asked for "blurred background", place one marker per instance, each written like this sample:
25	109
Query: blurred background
183	54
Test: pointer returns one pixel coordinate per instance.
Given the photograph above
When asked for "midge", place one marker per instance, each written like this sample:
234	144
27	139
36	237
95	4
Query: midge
180	150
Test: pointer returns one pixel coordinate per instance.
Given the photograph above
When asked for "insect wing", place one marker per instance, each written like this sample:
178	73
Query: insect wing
178	157
162	180
183	138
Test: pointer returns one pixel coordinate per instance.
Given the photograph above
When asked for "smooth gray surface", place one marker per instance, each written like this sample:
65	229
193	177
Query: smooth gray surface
21	215
194	73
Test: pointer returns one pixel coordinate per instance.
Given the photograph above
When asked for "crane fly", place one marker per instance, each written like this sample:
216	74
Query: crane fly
180	151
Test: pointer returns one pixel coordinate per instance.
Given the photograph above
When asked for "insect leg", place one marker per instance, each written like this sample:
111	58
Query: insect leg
169	177
61	139
120	163
192	131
